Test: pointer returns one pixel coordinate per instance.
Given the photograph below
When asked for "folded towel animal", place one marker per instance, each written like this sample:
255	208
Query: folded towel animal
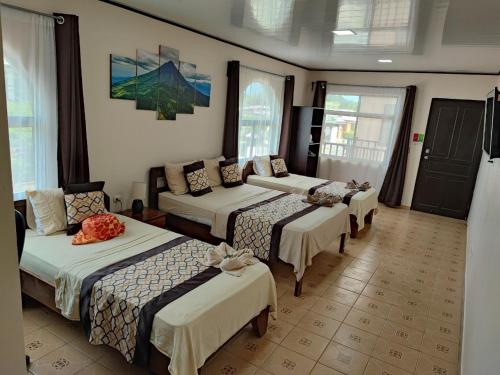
323	199
229	260
354	185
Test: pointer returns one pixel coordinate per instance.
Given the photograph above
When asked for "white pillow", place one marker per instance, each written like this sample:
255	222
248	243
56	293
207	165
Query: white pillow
30	215
176	181
262	166
49	210
213	170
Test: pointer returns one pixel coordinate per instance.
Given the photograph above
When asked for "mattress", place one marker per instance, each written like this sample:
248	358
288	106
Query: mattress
301	239
187	330
361	203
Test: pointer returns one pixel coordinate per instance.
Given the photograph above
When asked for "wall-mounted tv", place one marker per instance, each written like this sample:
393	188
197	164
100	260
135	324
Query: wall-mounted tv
491	138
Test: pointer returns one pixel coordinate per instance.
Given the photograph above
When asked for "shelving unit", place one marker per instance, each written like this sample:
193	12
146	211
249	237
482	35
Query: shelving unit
307	126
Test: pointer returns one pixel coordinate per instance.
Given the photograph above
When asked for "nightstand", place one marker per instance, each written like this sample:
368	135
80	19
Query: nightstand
148	216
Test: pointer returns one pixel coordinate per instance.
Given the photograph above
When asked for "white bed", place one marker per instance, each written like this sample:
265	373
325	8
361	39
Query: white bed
361	203
187	330
301	239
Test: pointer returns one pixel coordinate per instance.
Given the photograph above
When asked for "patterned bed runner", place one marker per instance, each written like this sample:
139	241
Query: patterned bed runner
118	302
259	226
334	188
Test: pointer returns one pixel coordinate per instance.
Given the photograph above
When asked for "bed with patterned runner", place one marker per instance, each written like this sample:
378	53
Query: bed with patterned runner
334	188
118	302
259	226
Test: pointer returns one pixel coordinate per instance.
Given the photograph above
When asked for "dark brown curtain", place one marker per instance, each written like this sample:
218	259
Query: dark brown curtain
72	154
286	123
230	143
319	94
392	188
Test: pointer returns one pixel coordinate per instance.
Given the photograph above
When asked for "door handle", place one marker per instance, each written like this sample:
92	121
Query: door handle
426	157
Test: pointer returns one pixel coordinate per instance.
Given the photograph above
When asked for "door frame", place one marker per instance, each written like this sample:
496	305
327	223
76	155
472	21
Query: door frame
419	170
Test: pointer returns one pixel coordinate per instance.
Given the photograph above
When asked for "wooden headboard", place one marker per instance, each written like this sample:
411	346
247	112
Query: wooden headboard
157	184
247	170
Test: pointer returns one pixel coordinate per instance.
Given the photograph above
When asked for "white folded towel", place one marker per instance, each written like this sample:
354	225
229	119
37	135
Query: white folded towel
229	260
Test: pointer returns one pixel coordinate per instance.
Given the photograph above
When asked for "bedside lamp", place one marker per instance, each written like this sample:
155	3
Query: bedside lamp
138	195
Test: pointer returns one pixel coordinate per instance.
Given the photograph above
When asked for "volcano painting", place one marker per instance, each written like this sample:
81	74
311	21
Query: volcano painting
187	88
169	78
159	82
203	89
122	77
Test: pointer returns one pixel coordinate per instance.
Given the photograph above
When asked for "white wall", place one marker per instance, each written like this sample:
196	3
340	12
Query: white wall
124	142
481	330
429	86
11	317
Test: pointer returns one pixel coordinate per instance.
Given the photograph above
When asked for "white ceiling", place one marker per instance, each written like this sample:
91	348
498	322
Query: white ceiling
418	35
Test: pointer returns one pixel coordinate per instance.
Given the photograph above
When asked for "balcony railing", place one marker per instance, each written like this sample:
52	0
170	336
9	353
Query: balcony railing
357	149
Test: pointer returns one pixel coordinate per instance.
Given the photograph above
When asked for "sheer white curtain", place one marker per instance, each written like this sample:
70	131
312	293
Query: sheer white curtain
359	131
261	110
30	81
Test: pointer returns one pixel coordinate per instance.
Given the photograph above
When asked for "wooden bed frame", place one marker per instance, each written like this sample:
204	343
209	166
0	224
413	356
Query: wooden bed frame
158	184
44	293
248	170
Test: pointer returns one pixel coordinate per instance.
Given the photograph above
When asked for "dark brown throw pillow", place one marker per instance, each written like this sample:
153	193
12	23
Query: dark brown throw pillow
80	204
230	173
279	166
197	179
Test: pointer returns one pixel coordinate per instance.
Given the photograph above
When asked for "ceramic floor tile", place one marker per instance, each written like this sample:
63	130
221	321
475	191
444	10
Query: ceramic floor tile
377	367
284	361
350	284
251	348
408	318
341	295
227	363
64	360
331	309
114	361
365	321
438	347
447	331
402	335
355	338
396	355
358	273
428	365
291	313
381	294
277	330
320	369
40	343
305	343
373	306
344	359
319	324
95	369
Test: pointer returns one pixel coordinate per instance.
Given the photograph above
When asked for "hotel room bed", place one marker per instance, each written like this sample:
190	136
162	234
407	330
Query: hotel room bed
187	330
361	206
300	241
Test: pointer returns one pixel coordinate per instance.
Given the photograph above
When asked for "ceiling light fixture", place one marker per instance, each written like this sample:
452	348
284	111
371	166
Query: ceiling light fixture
385	61
343	32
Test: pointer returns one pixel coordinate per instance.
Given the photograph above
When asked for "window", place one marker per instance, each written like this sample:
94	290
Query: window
30	81
261	109
361	123
385	25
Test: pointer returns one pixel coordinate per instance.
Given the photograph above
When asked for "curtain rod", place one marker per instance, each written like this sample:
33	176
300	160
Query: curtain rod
262	71
58	19
352	85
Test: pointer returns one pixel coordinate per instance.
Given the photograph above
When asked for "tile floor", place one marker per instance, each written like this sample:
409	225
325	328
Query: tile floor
392	305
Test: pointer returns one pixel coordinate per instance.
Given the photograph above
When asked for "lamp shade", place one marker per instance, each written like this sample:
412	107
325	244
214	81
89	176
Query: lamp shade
139	190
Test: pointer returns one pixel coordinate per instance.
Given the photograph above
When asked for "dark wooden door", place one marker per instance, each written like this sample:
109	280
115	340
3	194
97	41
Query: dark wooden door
450	158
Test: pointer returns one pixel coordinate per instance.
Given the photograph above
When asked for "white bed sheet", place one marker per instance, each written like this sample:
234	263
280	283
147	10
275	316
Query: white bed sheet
301	239
187	330
361	203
